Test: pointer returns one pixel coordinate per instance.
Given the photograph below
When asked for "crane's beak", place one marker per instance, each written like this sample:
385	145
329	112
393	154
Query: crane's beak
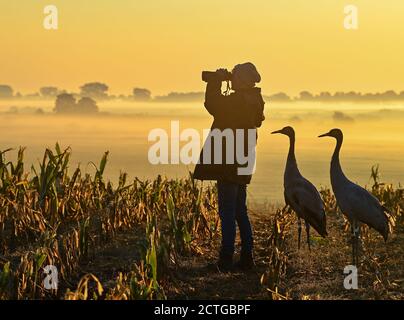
277	131
324	135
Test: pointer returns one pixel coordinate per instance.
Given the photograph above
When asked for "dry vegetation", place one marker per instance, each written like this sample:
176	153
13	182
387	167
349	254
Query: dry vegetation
158	239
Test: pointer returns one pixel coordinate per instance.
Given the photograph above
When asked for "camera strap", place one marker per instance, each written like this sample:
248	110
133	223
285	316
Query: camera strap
228	88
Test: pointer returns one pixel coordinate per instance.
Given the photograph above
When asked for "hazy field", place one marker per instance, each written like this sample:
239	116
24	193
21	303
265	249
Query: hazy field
160	239
373	135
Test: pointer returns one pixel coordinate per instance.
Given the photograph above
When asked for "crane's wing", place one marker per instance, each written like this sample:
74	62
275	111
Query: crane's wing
366	208
304	198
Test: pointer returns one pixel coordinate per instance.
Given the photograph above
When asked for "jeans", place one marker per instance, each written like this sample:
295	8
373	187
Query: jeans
232	208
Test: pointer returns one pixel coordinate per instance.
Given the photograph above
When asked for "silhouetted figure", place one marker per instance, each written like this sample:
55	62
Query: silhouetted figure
243	109
301	195
355	202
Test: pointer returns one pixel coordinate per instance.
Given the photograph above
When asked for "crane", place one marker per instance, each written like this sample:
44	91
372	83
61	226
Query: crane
300	194
355	202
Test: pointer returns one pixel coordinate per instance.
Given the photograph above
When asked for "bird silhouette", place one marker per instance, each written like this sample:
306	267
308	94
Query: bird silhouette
355	202
301	195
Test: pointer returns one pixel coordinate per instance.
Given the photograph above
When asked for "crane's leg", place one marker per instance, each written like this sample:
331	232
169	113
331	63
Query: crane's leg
308	235
355	228
357	233
299	230
353	241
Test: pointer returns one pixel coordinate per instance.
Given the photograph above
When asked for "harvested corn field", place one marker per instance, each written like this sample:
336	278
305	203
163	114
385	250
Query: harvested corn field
159	240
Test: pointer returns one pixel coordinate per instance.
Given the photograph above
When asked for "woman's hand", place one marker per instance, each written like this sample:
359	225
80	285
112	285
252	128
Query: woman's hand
223	74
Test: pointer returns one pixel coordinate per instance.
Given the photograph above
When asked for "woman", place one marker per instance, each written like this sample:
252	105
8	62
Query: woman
241	110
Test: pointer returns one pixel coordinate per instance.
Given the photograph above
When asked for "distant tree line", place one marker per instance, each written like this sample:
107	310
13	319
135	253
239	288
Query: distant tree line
351	96
99	91
94	90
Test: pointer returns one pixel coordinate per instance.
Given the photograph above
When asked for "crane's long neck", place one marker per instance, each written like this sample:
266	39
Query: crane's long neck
291	154
336	171
291	164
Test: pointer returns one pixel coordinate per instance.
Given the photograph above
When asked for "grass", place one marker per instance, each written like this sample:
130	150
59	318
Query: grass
159	239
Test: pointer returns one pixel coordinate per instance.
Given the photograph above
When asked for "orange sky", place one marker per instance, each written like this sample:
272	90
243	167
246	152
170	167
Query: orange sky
163	45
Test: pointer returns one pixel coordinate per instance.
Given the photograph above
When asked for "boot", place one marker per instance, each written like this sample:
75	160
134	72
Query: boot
246	261
225	263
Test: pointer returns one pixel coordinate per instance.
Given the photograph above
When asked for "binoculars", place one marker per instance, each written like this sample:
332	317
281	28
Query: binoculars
221	75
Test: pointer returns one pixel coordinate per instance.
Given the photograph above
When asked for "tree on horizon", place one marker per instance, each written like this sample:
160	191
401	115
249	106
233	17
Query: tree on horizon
141	94
95	90
6	91
66	104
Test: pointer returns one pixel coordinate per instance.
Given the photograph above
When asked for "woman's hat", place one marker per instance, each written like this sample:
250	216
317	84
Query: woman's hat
247	74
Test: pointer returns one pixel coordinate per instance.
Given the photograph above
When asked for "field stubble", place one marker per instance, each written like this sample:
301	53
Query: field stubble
159	239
